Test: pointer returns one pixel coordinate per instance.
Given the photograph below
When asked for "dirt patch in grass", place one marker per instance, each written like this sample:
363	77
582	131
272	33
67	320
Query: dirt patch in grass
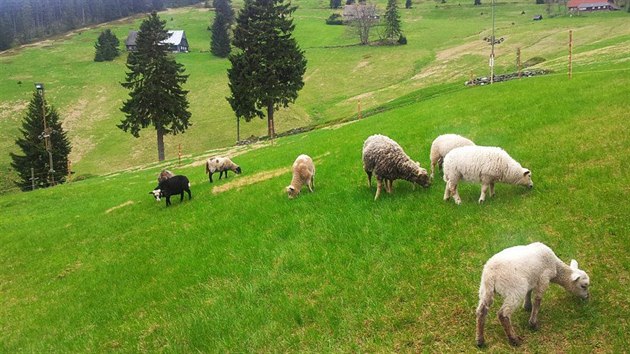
129	202
246	181
12	110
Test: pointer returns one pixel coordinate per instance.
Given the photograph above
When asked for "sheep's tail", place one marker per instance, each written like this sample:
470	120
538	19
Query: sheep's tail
486	291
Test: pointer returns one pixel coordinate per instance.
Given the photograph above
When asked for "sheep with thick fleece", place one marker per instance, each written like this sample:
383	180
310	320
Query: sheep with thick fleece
442	145
384	158
518	273
221	165
484	164
303	173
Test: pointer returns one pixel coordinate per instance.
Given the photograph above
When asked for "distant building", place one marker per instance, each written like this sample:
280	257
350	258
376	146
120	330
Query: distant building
591	5
177	42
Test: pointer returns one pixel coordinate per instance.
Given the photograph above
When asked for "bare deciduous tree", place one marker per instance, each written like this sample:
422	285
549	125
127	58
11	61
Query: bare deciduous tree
362	17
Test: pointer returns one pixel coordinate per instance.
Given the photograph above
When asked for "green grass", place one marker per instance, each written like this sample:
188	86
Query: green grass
248	270
445	46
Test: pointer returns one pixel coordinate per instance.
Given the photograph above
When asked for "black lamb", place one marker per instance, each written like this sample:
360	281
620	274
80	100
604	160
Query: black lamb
172	186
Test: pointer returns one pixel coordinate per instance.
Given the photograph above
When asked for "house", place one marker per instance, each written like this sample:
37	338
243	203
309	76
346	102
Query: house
361	11
591	5
177	42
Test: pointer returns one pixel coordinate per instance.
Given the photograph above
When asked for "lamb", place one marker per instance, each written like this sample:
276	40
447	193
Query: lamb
384	158
172	186
303	173
442	145
517	273
221	165
164	175
487	165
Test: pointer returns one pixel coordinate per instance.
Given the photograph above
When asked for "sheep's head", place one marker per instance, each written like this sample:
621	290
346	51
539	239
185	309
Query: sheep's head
421	177
526	179
157	193
579	281
237	170
292	192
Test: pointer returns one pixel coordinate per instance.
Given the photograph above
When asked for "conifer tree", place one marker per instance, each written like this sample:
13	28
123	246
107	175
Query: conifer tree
106	46
155	80
220	43
408	4
32	144
224	7
267	72
335	4
392	21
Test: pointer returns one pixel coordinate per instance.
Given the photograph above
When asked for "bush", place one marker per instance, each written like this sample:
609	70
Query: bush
402	39
334	19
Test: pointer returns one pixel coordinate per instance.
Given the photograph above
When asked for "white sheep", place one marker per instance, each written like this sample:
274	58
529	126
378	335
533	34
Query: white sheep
164	175
221	165
303	173
484	164
517	273
442	145
384	158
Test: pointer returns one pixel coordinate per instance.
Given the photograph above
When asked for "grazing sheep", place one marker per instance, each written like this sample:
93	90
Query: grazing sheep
221	165
303	173
384	158
517	273
172	186
487	165
442	145
164	175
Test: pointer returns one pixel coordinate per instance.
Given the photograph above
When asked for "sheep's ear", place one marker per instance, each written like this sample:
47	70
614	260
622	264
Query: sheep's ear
575	276
573	264
526	172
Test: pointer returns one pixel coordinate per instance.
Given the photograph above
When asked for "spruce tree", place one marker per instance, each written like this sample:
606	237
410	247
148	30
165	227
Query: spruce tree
335	4
267	72
392	21
224	7
32	144
155	80
220	43
106	46
408	4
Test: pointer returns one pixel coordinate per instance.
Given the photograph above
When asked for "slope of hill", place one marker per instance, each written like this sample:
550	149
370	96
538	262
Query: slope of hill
445	45
97	265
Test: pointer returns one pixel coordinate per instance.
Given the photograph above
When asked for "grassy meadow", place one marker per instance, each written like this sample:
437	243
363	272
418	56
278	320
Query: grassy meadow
445	46
98	266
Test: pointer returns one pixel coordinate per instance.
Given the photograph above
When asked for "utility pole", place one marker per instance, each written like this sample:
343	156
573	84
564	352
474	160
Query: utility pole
492	50
46	134
238	130
33	179
570	54
518	61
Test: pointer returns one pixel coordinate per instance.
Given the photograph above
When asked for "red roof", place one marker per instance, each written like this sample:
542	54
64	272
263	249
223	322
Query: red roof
576	3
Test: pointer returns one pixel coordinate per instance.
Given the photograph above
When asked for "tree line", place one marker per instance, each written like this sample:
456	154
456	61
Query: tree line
23	21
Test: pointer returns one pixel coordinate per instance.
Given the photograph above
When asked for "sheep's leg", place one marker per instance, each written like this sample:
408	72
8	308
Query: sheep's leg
210	174
528	302
538	293
482	313
454	193
433	166
447	193
482	197
388	185
369	174
379	185
310	184
189	194
504	317
168	200
181	196
492	189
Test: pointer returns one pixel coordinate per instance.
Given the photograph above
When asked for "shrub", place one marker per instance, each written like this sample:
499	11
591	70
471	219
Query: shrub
334	19
402	39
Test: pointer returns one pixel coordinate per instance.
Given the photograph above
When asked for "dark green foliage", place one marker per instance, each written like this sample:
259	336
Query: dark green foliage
32	145
349	2
407	4
402	39
22	21
334	19
220	43
155	80
335	4
477	2
392	21
106	46
540	2
267	72
223	20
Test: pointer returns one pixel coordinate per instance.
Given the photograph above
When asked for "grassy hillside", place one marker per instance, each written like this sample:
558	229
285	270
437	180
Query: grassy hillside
97	265
445	46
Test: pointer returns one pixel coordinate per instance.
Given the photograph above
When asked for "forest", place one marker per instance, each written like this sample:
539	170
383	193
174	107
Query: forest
24	21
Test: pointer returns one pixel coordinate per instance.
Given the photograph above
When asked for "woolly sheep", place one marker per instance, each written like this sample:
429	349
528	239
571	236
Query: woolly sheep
442	145
487	165
303	173
164	175
221	165
172	186
517	273
384	158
